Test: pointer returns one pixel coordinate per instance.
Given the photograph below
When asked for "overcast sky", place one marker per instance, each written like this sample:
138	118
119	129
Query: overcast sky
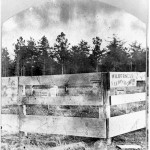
78	19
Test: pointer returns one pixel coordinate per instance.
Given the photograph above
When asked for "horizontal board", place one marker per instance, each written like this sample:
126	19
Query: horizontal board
86	127
64	100
10	81
8	91
127	108
72	91
11	109
58	100
10	124
129	147
61	80
127	123
9	94
127	98
127	90
65	111
9	101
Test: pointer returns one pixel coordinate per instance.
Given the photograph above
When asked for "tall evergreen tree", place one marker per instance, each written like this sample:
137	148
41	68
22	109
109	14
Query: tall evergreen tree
20	56
97	53
61	48
116	58
43	49
138	57
6	63
32	60
84	62
75	59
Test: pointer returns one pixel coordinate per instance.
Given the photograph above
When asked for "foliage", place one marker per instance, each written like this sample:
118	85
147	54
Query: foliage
39	58
61	51
116	59
97	53
138	57
43	53
6	63
32	61
20	55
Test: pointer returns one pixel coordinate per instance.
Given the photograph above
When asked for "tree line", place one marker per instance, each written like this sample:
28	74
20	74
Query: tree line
39	58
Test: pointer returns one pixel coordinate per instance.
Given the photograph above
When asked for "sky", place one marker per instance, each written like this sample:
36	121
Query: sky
78	19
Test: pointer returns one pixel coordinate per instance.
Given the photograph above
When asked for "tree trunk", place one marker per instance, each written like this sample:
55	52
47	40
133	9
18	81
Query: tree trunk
51	69
44	67
131	66
5	68
18	68
31	66
24	70
21	71
96	66
62	68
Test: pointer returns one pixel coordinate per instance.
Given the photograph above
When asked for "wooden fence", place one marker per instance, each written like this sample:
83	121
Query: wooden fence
64	104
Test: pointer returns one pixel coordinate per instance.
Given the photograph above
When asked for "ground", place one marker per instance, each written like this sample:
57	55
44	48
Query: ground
46	142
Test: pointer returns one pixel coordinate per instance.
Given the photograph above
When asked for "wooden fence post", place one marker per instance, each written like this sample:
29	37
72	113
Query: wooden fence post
24	110
24	90
106	103
107	113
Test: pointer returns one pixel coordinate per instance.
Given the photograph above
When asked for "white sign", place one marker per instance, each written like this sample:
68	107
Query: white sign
140	76
124	79
44	93
54	91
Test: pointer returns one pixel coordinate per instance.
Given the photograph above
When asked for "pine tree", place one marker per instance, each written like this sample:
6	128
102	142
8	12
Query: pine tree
97	53
6	63
43	50
138	57
116	59
61	51
32	59
20	56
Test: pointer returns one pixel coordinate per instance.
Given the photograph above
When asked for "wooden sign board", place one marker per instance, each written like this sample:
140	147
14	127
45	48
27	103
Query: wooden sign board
126	79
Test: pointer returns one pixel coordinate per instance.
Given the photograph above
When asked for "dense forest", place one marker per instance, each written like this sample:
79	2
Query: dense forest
34	58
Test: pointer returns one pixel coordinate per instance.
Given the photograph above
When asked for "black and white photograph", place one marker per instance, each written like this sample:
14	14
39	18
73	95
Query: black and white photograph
74	75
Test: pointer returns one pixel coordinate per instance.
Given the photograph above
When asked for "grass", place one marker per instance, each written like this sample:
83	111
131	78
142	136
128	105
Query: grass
41	142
